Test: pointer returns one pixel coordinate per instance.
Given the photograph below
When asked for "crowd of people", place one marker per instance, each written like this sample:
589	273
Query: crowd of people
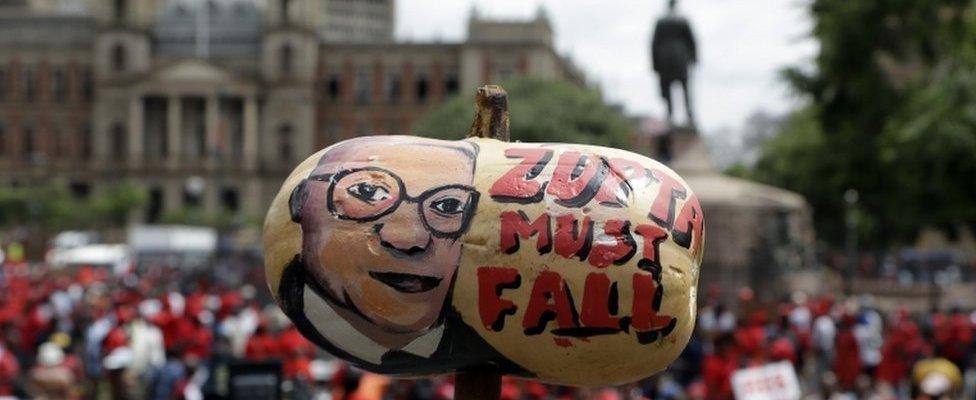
838	349
88	332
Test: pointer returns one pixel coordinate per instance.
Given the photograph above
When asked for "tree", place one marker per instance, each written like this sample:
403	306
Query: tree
887	107
541	111
51	207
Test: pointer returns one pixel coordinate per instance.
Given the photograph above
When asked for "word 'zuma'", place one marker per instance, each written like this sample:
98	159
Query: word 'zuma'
577	181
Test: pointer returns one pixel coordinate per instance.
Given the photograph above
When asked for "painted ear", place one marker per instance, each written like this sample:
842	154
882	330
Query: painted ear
297	201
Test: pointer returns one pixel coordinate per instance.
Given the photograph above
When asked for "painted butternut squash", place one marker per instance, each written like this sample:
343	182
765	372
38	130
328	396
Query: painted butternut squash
569	264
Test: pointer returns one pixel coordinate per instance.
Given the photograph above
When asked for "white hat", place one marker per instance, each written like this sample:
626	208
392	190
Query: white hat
935	384
50	355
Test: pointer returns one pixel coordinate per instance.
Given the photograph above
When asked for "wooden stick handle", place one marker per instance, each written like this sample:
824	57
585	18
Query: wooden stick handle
482	384
491	120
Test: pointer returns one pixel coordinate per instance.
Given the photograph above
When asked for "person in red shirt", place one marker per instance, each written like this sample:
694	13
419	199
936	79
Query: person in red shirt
751	338
261	345
718	368
960	338
847	363
296	352
9	371
199	341
902	347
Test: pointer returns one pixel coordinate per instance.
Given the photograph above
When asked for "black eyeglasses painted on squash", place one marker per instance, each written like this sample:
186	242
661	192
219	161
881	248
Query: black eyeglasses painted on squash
370	193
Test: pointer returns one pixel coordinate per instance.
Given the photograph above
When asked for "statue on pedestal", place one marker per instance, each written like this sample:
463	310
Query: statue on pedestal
673	51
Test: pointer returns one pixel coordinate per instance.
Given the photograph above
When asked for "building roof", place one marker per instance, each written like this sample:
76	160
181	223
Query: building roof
26	31
214	28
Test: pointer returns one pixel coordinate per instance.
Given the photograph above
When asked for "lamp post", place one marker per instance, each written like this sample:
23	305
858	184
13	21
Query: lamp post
850	204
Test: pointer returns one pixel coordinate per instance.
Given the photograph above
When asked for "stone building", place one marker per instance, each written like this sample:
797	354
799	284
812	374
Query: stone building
231	93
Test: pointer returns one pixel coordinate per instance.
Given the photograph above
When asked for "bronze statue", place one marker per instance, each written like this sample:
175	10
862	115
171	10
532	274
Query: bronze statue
672	52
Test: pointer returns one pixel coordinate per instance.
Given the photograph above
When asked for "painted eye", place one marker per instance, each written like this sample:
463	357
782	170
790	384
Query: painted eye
368	192
448	206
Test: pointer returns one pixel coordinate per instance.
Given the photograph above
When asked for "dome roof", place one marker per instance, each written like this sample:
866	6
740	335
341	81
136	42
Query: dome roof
715	189
230	27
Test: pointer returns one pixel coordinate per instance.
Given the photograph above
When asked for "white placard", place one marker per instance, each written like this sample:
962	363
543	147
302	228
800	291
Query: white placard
776	381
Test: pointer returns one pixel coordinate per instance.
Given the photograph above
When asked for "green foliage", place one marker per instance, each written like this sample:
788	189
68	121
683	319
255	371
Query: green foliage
891	115
223	220
541	111
930	151
52	207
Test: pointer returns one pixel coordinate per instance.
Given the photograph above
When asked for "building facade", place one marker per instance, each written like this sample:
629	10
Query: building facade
210	103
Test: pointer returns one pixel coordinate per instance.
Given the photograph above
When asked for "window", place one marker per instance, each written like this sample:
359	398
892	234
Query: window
86	143
284	11
155	208
363	86
392	88
60	144
118	141
332	88
451	84
57	85
87	86
80	190
29	81
120	10
29	147
423	87
118	58
284	143
3	84
191	198
230	199
287	63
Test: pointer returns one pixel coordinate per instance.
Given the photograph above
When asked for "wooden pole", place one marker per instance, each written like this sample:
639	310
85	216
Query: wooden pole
491	121
482	384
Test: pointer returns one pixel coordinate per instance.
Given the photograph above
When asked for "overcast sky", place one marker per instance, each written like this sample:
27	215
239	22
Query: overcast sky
742	45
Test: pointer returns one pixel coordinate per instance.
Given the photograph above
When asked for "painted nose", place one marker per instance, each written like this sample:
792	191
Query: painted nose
404	234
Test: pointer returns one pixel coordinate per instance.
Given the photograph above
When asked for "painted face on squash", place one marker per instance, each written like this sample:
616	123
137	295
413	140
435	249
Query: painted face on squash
381	230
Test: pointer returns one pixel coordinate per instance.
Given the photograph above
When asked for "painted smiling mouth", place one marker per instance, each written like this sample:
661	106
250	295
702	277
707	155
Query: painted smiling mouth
406	283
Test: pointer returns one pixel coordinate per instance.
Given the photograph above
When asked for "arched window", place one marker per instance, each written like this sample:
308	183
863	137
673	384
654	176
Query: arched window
118	140
284	142
287	55
118	58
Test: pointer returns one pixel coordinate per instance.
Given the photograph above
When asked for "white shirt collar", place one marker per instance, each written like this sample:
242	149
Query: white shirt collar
343	335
